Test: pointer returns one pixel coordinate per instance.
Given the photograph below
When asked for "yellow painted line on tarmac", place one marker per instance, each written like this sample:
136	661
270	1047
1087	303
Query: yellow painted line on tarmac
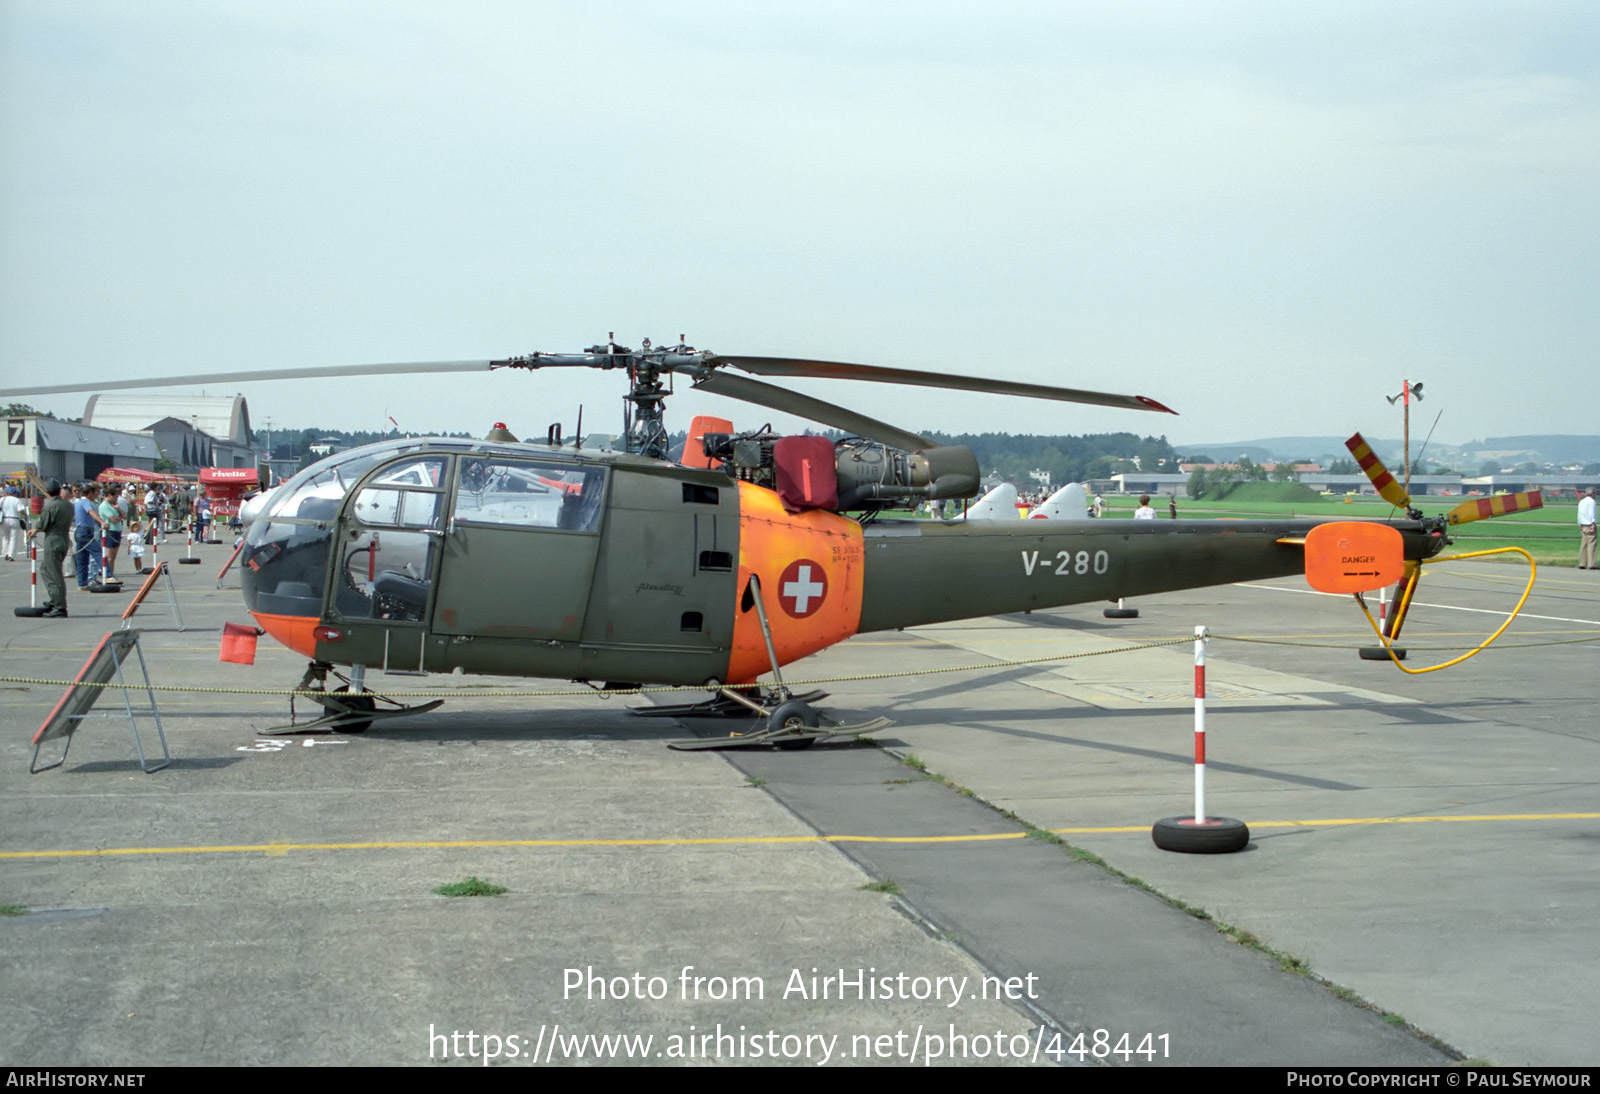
281	848
278	848
1424	820
1330	822
924	839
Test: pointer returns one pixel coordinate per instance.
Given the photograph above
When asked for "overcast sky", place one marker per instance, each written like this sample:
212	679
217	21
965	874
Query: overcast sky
1265	215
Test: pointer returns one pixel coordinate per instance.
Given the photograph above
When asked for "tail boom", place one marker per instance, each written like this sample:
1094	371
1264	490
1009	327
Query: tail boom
920	572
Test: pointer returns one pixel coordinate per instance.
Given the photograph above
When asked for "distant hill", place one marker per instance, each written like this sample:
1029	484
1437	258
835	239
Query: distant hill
1274	449
1554	447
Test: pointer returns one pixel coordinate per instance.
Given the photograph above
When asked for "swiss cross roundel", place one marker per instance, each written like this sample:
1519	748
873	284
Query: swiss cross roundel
802	588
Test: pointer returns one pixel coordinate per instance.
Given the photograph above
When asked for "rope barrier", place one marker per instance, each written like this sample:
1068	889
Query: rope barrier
485	692
1411	645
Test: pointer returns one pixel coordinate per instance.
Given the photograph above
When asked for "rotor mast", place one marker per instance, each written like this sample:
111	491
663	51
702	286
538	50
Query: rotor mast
644	430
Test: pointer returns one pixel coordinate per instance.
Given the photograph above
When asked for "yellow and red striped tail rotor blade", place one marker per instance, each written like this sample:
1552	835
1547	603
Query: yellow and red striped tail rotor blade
1497	506
1391	491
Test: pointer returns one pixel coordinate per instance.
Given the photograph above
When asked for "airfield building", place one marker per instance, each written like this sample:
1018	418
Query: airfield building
193	431
69	451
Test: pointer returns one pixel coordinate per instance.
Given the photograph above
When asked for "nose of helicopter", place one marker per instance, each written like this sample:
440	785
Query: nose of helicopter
293	631
283	572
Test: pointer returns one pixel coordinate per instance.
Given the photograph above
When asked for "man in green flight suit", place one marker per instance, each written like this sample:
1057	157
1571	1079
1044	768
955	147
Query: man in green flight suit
55	525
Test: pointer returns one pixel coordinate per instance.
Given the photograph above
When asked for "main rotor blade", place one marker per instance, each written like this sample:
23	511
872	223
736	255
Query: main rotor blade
792	402
260	374
839	370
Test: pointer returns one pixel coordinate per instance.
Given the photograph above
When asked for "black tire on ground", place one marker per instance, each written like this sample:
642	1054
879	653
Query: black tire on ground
1378	653
188	562
1217	836
794	714
354	723
1121	613
30	612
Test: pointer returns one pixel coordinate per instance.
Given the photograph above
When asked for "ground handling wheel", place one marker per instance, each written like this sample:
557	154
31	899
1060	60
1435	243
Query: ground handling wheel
1213	836
793	715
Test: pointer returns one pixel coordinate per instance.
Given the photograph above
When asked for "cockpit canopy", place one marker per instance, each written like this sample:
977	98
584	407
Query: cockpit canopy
392	497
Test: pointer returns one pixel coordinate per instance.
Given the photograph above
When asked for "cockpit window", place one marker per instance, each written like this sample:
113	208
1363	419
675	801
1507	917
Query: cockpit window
314	498
422	472
315	493
404	495
529	494
284	567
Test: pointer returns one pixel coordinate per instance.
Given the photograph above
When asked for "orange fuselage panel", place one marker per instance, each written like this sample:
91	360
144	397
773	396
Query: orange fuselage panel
810	569
293	631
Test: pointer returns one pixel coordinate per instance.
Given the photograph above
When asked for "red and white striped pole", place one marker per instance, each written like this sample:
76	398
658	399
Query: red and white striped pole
33	574
188	558
1200	725
1200	834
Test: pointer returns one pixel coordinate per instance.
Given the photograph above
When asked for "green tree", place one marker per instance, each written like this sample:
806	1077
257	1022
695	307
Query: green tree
1223	480
1250	471
1198	483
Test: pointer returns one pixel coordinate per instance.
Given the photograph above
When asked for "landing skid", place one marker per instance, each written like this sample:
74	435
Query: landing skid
348	709
785	737
791	723
719	707
345	718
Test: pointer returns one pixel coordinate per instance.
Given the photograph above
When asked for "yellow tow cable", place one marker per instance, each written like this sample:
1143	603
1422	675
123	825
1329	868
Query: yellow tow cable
1411	589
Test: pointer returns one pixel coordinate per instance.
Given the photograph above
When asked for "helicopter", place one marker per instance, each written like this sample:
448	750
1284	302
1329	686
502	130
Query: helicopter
619	567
